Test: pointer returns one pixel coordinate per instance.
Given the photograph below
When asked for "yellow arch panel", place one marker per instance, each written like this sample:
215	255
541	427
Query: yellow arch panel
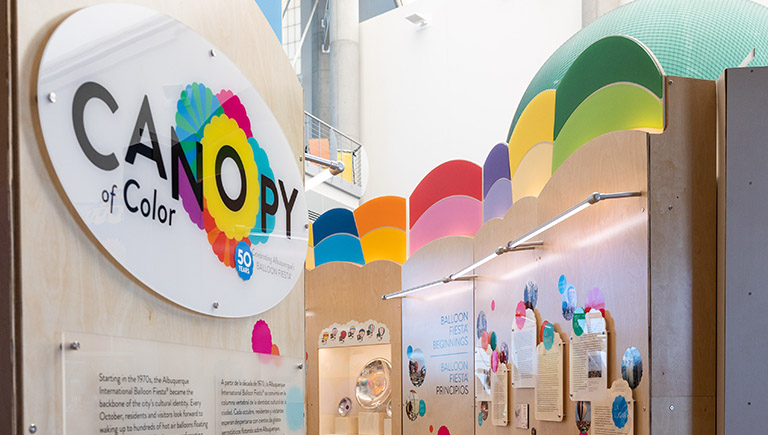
536	125
309	264
533	172
384	244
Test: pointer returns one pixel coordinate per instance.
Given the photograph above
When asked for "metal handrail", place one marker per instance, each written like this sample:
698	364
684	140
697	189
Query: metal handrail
334	130
338	144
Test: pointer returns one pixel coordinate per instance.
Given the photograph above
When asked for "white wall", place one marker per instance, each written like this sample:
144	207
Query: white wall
449	91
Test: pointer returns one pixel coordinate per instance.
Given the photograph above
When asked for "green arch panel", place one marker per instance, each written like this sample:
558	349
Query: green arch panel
616	107
610	60
690	38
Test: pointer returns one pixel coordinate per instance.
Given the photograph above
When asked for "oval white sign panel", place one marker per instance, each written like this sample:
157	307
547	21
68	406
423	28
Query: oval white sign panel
173	160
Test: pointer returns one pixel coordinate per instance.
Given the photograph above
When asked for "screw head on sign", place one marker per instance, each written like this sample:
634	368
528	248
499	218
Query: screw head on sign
75	345
212	53
216	305
671	407
52	97
32	428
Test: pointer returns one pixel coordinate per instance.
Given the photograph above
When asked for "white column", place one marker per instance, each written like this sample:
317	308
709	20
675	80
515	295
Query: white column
594	9
345	66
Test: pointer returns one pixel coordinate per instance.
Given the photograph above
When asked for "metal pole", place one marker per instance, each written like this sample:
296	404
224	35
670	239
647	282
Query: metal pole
304	35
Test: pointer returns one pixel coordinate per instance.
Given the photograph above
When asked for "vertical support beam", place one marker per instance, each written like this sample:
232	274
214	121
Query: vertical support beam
8	264
345	67
682	198
743	235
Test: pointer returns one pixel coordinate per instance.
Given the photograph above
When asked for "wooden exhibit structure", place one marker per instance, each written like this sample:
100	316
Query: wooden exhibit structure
652	257
339	293
55	276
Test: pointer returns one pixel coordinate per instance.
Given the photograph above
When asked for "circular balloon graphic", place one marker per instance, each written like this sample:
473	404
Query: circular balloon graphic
520	315
492	340
482	324
494	361
595	300
620	412
632	367
417	367
422	408
561	284
484	339
548	336
541	330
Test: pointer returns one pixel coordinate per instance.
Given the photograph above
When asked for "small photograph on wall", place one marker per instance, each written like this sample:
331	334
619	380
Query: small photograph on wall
595	365
632	367
412	406
484	410
521	416
583	416
417	368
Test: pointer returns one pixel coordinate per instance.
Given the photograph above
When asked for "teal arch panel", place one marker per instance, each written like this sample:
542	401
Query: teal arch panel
339	247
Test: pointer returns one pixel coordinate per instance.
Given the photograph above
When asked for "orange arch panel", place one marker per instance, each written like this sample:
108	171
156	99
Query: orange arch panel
384	211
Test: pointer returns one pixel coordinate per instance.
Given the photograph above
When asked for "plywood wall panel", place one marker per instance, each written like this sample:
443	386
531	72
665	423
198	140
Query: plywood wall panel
67	282
428	318
682	201
604	246
342	292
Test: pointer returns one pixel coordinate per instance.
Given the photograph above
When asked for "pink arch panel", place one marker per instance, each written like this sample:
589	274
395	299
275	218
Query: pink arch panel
456	177
453	216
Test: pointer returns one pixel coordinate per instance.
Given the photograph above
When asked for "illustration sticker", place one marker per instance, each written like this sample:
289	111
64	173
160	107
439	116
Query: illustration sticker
579	321
620	412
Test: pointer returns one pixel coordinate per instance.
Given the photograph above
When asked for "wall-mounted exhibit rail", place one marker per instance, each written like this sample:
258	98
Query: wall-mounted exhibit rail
523	243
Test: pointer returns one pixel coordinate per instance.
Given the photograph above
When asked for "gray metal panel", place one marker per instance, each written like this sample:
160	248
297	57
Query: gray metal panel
746	250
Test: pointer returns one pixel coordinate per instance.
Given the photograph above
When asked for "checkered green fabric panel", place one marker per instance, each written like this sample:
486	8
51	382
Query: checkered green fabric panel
690	38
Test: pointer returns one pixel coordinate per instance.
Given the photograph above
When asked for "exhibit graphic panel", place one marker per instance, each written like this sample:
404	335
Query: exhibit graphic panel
523	348
588	359
172	160
354	333
592	263
119	385
548	402
438	339
614	414
72	282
